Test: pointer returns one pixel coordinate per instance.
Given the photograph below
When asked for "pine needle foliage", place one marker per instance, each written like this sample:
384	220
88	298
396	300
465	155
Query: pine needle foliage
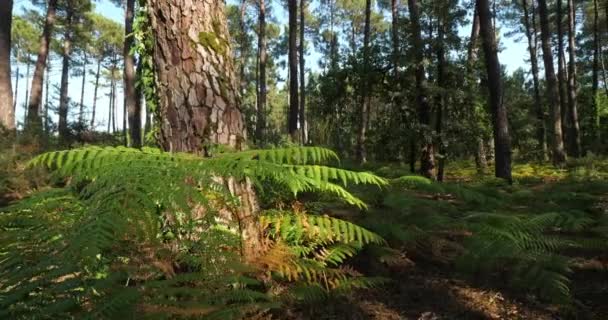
136	232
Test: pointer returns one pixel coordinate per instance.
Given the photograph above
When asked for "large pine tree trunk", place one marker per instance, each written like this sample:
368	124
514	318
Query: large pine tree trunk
530	26
35	100
365	89
427	156
261	107
198	90
293	69
500	122
65	74
132	103
97	75
553	94
302	114
7	113
574	129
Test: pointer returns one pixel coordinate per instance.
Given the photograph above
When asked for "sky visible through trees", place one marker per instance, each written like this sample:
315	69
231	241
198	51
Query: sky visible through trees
513	55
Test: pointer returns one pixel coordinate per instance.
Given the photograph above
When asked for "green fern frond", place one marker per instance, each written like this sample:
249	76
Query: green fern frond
322	228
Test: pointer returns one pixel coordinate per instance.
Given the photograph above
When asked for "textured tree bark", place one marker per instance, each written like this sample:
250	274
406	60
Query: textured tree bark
65	75
198	90
131	103
427	153
97	75
293	69
561	74
302	114
83	85
261	107
365	89
559	156
574	129
7	112
500	122
35	100
530	26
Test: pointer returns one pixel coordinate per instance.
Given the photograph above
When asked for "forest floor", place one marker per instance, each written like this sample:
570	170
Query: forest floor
425	288
424	283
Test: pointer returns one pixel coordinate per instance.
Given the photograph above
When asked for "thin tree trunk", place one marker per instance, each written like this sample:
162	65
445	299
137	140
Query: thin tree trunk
412	156
427	156
365	89
561	73
530	26
84	81
443	87
15	95
604	76
196	111
7	113
500	123
333	46
595	75
559	156
63	92
572	82
124	125
97	75
293	69
481	162
131	102
27	87
395	36
302	75
46	97
261	99
114	106
110	105
244	44
35	99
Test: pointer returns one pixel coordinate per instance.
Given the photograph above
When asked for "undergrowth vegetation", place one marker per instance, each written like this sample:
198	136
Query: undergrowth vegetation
142	232
121	233
517	235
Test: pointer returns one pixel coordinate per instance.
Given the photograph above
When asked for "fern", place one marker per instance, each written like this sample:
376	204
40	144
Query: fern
485	231
123	237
